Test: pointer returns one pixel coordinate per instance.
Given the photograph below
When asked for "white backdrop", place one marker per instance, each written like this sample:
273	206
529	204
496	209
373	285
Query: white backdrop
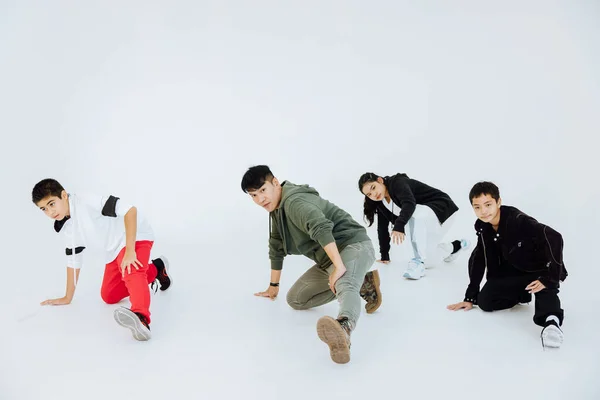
167	104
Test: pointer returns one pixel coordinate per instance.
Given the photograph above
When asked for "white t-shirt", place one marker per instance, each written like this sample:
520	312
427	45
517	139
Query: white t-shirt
392	207
98	221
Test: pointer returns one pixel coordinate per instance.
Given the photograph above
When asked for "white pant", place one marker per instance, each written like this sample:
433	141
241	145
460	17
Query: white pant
426	233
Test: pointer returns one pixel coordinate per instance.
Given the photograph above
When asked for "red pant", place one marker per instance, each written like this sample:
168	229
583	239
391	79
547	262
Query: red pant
135	285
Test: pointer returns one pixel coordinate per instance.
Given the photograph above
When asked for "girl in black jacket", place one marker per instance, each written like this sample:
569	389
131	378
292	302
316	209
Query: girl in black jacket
402	201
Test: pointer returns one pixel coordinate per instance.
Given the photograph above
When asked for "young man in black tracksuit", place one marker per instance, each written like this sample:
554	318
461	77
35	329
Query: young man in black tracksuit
521	256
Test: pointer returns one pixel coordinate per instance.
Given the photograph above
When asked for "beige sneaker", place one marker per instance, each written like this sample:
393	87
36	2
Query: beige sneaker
336	334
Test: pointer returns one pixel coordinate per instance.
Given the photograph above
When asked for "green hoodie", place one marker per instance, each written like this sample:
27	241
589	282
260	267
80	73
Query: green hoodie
304	223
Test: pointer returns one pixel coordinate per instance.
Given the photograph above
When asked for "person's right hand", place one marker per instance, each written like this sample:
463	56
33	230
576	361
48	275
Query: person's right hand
271	292
56	302
463	304
383	261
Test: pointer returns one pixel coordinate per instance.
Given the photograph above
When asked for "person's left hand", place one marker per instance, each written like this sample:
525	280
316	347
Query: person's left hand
129	259
535	286
397	237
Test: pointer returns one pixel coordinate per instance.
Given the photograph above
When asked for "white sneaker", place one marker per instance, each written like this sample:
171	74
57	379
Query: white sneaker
552	336
448	247
415	270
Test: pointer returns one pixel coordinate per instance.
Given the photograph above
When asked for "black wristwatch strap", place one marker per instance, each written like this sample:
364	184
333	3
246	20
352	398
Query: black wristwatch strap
274	284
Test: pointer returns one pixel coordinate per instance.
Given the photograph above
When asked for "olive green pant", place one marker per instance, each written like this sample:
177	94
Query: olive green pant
312	288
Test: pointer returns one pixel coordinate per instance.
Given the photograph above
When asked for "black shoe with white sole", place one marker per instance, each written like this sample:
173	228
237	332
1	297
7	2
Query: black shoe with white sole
552	336
135	322
162	277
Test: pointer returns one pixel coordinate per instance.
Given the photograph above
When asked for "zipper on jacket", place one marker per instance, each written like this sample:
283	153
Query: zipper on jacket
484	251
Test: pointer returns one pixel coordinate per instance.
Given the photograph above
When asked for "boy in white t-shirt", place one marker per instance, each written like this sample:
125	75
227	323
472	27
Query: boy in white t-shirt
127	239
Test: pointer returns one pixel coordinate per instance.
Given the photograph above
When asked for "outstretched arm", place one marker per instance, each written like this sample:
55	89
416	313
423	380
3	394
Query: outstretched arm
402	191
72	278
477	265
383	234
276	255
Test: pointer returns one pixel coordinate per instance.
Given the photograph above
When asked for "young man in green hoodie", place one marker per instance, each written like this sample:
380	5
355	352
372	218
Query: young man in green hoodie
301	222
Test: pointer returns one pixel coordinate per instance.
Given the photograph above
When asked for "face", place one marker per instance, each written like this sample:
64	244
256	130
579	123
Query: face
486	208
374	190
268	196
54	207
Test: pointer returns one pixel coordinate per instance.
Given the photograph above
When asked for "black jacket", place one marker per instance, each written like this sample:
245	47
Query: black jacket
407	193
521	245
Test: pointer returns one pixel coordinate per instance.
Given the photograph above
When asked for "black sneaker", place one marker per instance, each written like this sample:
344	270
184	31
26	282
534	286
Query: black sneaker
135	322
163	278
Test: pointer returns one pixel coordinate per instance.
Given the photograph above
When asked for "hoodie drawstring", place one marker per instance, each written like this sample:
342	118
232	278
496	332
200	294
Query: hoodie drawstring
74	223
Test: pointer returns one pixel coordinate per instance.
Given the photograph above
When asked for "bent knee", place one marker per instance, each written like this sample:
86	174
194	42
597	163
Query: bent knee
108	299
294	302
485	306
298	306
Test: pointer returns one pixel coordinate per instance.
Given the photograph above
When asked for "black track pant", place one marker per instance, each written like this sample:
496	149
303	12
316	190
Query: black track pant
503	293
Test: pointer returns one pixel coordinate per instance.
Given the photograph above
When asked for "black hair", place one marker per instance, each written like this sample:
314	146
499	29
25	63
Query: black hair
255	177
483	188
370	206
45	188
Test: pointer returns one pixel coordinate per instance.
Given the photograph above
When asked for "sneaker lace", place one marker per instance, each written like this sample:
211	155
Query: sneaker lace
345	324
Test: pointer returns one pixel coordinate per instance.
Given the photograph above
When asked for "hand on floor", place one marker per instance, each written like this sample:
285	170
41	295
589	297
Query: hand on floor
56	302
463	304
271	292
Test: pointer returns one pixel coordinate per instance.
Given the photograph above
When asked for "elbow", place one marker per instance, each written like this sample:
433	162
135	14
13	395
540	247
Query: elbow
324	237
408	205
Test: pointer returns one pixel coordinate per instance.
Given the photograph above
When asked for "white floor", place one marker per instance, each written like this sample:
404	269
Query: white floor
213	339
166	103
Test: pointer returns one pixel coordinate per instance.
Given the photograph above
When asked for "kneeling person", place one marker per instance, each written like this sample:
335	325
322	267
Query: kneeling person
522	257
301	222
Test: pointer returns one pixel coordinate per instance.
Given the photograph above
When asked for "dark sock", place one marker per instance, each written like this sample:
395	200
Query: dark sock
456	245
